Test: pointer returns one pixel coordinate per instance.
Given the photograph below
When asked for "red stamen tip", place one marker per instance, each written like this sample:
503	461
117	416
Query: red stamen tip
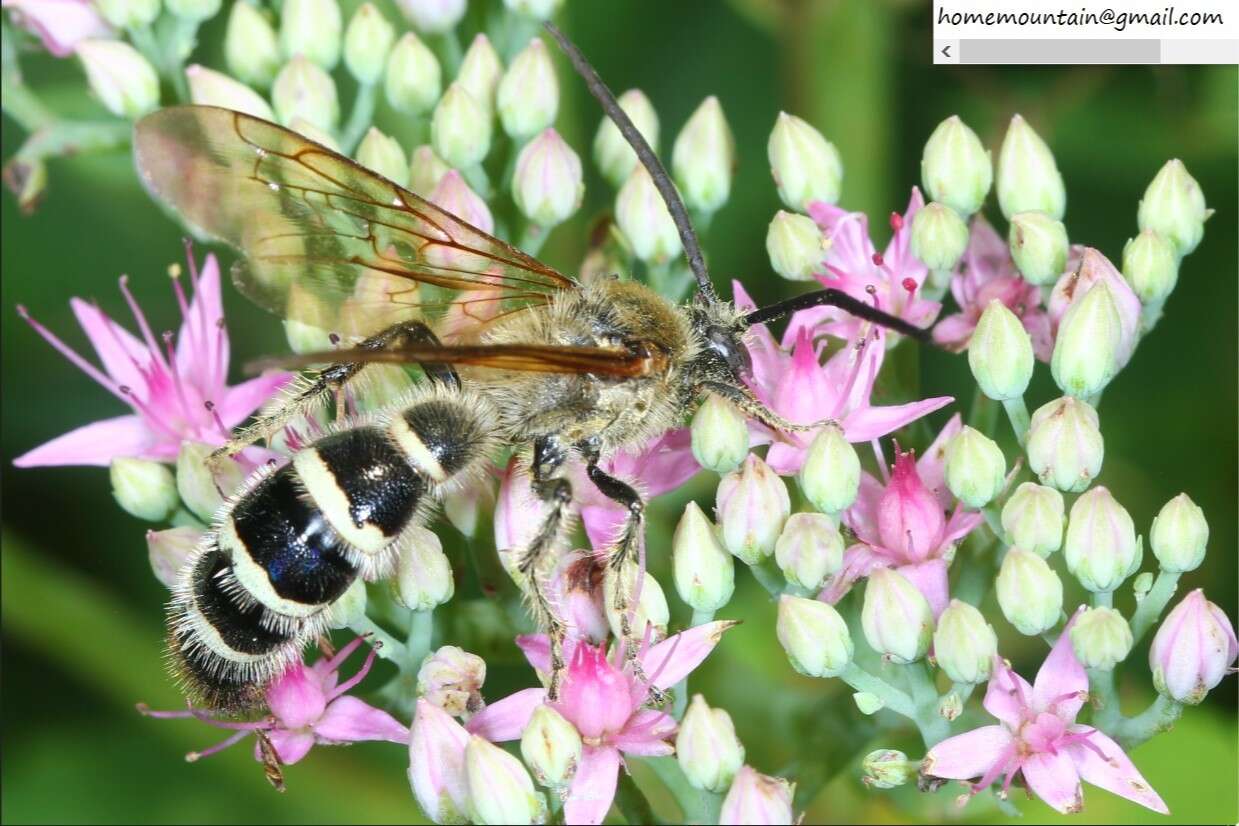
896	221
124	388
208	404
909	284
877	259
872	290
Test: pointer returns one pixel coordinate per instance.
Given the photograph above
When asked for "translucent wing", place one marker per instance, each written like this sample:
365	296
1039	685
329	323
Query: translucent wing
327	242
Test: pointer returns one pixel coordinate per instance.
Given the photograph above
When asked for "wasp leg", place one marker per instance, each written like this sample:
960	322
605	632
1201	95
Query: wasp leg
313	392
548	457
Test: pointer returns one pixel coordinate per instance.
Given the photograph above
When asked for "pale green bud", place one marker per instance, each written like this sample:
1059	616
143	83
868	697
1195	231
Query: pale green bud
814	636
551	747
975	467
830	475
887	768
806	167
1100	548
311	29
1000	353
367	41
413	80
1151	266
500	790
652	610
143	488
426	169
433	16
194	10
423	577
170	551
809	549
795	245
210	88
306	338
382	154
203	485
125	83
308	130
460	129
128	14
950	706
1086	348
956	169
939	236
1065	448
251	46
451	678
704	157
528	96
1141	585
896	618
705	574
1174	207
643	218
964	644
480	73
465	505
1179	535
1101	638
867	703
537	9
752	505
612	154
1028	179
1038	246
350	608
1033	518
707	748
302	90
548	181
1030	594
720	435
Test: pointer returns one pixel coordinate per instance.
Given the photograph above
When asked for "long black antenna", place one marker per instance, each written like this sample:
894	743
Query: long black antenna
688	238
840	299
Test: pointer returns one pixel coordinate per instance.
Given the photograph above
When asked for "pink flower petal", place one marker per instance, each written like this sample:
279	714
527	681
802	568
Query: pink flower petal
1008	695
930	578
537	650
674	658
1054	779
862	516
593	786
437	762
785	459
960	524
349	719
122	354
98	443
1061	685
1115	773
240	401
202	343
858	561
296	698
646	734
955	331
873	422
931	467
290	746
506	719
968	755
60	24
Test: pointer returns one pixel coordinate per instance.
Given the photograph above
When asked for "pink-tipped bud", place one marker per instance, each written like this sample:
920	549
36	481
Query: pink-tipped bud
437	764
910	519
809	549
1193	650
547	184
452	678
757	798
1100	549
752	506
896	617
454	195
208	87
170	550
500	789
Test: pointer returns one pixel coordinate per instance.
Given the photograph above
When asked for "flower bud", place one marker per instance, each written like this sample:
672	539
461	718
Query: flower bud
964	644
452	678
1179	535
423	574
210	88
251	46
887	768
939	236
323	138
426	170
1151	266
704	157
480	73
795	246
1087	269
460	128
814	636
1100	547
1141	584
350	607
1030	594
705	574
752	505
806	167
809	549
382	154
1065	448
614	156
464	506
1193	650
757	798
548	181
643	218
311	29
303	90
500	790
551	747
950	707
201	484
194	10
1038	246
128	14
433	16
830	475
651	609
1028	179
170	550
1086	347
867	703
537	9
437	764
367	40
720	435
143	488
976	470
956	169
1101	638
1000	353
896	617
707	748
412	81
122	79
454	195
1174	207
1033	519
528	96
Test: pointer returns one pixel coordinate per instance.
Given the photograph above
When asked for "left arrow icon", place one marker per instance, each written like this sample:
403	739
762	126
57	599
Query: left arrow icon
946	50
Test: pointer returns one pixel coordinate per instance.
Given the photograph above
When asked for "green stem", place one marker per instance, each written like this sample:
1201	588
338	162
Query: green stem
360	119
1106	714
934	729
390	648
993	521
21	104
768	575
891	697
447	48
1150	608
417	643
983	415
1103	599
533	237
631	801
1156	719
1017	413
475	176
696	805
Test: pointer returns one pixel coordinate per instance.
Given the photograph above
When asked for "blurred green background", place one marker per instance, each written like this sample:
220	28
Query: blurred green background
81	611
